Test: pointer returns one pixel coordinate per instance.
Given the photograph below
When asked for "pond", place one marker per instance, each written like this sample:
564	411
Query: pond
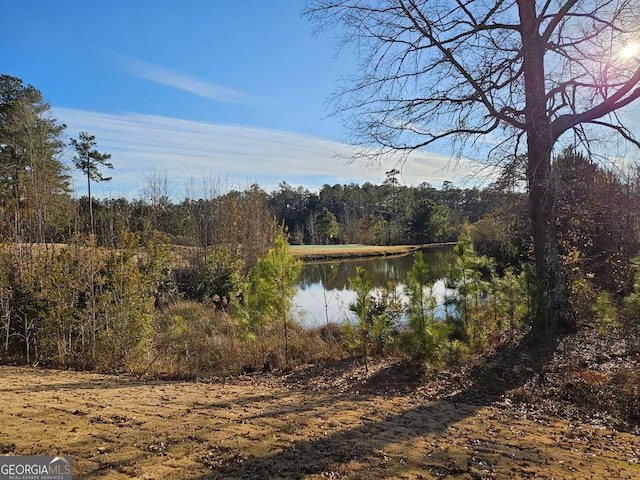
324	293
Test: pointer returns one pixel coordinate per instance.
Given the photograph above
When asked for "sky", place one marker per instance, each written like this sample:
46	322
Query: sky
193	90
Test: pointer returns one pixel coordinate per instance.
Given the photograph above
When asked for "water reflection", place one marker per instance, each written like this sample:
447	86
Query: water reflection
324	293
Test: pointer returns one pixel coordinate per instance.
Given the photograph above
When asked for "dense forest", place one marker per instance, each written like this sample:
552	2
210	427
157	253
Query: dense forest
203	285
386	214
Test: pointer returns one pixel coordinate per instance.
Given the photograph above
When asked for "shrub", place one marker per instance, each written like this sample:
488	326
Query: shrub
222	281
125	302
192	340
606	314
453	351
632	301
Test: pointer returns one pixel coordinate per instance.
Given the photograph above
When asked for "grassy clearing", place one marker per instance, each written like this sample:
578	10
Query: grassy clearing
328	252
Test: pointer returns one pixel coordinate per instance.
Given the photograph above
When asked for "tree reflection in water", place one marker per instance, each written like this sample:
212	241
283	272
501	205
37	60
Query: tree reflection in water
324	293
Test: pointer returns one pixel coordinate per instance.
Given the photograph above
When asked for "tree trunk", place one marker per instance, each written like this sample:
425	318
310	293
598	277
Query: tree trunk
90	203
552	302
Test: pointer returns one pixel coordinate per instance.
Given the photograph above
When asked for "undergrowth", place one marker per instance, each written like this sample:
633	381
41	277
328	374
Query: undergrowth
193	340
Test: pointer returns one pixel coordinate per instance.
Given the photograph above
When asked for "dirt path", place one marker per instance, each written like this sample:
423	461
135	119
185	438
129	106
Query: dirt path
121	427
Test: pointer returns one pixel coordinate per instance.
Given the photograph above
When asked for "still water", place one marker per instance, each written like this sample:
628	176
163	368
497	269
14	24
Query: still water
324	293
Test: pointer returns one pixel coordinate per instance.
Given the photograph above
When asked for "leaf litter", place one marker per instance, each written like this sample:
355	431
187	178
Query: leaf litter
569	414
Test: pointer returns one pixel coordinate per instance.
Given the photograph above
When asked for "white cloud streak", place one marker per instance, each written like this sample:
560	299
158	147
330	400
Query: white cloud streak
185	150
182	81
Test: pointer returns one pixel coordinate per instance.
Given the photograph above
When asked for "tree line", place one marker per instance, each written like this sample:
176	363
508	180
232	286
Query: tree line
37	204
385	214
204	285
517	81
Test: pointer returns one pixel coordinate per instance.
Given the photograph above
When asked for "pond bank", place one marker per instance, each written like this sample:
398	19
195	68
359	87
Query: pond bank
309	253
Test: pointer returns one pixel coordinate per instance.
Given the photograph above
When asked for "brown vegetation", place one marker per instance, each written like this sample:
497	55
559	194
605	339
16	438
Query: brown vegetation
510	416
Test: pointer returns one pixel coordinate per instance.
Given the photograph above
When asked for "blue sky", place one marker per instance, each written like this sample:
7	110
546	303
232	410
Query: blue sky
200	88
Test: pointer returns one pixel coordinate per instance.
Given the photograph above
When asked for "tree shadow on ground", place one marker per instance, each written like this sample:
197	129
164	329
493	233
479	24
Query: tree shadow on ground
508	368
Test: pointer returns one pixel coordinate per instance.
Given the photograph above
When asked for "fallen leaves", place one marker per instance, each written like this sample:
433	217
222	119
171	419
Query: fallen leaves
335	420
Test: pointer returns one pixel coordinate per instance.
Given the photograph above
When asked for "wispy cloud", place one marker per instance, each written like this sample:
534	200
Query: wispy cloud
186	149
182	81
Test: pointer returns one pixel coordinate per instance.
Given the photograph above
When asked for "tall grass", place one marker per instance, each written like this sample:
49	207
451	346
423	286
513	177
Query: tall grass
193	340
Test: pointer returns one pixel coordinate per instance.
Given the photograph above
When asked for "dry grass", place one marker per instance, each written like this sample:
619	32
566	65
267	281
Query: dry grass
324	252
266	427
193	340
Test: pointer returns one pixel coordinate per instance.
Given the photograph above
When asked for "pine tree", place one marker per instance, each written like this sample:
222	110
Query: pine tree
88	160
273	286
33	181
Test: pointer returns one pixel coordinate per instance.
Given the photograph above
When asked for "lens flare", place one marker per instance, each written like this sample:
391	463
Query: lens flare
630	50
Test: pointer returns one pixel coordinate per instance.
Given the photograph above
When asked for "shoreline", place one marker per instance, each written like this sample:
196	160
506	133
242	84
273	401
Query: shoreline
311	253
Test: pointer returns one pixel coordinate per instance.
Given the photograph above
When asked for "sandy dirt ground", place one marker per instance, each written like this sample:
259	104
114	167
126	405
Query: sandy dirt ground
263	427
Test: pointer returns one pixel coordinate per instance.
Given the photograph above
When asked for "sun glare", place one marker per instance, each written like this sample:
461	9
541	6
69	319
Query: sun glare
630	50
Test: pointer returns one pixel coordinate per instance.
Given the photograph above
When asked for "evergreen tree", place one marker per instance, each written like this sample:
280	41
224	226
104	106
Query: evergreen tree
273	285
376	314
327	226
33	181
358	335
426	334
89	160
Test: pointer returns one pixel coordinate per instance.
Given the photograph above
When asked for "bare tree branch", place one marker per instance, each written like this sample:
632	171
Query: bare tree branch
463	72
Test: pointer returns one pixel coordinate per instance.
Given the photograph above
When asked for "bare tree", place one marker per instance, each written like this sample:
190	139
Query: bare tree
497	75
158	190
